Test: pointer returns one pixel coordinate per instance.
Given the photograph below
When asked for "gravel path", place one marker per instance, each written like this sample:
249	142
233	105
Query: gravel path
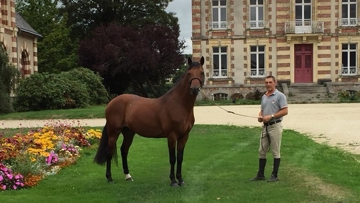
334	124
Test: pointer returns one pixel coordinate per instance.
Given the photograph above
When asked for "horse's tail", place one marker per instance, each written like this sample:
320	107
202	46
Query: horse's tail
102	152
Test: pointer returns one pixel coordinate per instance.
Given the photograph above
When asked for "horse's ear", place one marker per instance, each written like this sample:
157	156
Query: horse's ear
202	60
189	61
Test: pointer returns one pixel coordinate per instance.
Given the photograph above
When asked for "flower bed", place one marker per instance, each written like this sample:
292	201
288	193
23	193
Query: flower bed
27	158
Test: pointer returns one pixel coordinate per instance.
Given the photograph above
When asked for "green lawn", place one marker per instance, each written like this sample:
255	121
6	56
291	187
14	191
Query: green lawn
218	163
88	112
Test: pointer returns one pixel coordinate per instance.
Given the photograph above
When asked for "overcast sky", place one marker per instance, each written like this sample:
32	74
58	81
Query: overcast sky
182	8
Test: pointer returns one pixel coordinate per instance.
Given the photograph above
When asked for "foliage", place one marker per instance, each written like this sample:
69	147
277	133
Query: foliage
142	57
26	158
8	180
9	76
347	95
57	51
93	82
50	91
86	15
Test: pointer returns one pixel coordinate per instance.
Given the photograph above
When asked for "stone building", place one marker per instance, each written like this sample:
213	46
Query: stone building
300	42
18	39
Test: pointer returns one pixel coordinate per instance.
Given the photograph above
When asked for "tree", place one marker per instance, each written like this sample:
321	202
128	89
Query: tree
9	76
143	57
85	15
56	50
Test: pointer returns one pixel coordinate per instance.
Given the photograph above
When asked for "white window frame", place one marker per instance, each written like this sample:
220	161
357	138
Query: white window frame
303	25
219	24
349	21
257	23
349	70
257	72
222	71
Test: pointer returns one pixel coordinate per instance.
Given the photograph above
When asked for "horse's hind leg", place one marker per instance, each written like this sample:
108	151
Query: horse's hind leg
127	141
113	136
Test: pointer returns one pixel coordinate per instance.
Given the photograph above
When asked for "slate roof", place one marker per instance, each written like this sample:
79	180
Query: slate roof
23	26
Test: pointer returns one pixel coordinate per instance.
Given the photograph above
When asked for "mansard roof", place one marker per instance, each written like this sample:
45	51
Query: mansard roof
23	26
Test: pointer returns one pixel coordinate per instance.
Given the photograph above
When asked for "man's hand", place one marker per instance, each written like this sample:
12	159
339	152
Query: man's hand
260	119
266	119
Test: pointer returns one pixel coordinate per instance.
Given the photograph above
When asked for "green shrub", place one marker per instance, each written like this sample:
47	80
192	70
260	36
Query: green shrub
49	91
9	76
5	101
93	84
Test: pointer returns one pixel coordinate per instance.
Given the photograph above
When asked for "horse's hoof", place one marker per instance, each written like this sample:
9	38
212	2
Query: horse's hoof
182	183
175	184
110	181
129	179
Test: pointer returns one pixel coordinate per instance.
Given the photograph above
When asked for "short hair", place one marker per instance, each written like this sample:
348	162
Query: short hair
272	77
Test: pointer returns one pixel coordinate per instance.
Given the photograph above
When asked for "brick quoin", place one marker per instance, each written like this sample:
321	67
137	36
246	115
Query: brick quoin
324	72
283	56
324	15
324	55
282	48
283	65
324	47
324	63
283	72
325	8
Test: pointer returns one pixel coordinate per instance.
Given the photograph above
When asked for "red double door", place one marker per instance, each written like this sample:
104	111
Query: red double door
303	63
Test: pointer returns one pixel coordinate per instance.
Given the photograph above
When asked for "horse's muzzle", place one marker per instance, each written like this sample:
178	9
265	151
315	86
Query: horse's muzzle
194	90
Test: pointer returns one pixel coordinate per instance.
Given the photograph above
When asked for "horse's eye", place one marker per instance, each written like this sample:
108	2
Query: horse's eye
202	73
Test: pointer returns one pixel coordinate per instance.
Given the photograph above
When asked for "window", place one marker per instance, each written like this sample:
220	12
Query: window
256	13
219	14
348	59
220	96
257	56
303	12
220	61
348	13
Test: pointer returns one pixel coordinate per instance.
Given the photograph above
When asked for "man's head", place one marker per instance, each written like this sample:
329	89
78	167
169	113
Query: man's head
270	83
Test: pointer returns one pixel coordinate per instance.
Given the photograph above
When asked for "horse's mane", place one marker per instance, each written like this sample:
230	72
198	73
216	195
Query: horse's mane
194	64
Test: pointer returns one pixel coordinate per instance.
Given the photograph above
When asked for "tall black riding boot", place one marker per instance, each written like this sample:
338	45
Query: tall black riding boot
274	174
260	174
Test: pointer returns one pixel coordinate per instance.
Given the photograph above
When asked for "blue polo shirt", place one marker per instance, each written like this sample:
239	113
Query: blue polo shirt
273	103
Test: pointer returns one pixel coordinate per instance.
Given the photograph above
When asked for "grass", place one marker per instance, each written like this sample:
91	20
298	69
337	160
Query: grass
218	163
88	112
96	111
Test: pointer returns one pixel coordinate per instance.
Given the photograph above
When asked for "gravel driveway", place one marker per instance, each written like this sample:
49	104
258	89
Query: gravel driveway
334	124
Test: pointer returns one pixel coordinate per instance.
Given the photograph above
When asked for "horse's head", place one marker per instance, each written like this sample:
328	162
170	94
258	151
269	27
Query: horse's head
196	76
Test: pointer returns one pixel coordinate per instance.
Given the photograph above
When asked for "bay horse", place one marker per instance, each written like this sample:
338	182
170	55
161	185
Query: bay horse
170	116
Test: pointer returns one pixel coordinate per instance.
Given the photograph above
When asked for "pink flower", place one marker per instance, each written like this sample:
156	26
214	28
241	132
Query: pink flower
14	187
3	187
9	175
1	178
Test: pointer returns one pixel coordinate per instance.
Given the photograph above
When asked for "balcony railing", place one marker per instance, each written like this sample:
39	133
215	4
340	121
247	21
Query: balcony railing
349	22
257	24
347	71
218	25
299	27
216	73
256	74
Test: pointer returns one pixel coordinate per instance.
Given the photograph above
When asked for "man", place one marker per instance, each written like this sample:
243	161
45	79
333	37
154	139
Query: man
273	109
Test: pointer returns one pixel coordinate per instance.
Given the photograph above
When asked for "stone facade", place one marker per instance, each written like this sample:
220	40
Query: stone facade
297	41
18	39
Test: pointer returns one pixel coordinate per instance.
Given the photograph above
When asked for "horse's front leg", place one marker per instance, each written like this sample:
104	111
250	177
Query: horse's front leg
180	154
172	159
